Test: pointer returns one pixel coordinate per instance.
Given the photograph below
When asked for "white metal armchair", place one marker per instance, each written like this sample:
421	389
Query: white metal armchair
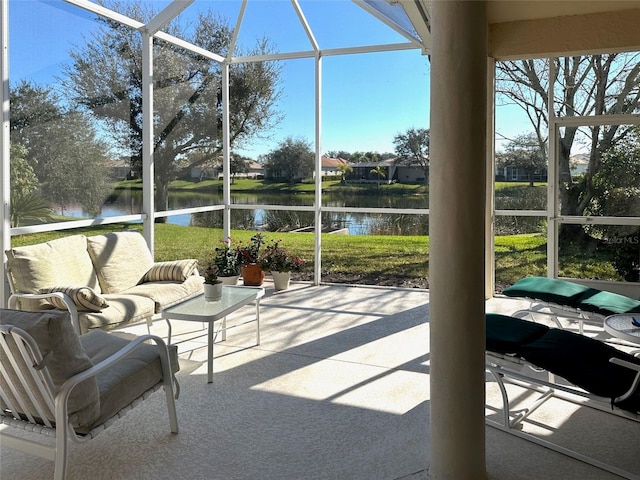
60	385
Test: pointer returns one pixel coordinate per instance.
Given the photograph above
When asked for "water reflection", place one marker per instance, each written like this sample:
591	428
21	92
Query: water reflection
130	202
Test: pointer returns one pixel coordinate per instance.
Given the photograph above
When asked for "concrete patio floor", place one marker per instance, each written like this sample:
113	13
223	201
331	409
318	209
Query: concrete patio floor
337	389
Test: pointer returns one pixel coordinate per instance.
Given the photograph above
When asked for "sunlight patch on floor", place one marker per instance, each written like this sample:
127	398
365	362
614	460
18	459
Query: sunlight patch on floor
344	383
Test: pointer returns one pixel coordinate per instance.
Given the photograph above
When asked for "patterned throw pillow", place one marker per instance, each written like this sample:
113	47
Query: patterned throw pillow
85	298
173	271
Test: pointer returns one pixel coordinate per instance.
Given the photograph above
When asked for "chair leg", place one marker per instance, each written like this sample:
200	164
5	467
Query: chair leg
60	470
167	384
171	405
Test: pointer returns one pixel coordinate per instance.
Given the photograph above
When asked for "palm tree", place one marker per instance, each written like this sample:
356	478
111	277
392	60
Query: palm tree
380	172
344	169
30	207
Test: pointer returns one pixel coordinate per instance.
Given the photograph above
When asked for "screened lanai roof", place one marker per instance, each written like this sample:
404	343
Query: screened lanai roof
293	25
296	31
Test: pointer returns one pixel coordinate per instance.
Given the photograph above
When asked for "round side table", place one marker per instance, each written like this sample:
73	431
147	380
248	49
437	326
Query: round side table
621	326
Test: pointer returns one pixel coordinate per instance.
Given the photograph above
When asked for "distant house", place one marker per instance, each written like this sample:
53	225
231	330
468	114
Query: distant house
520	174
579	163
119	169
408	173
330	166
256	170
205	173
393	172
362	172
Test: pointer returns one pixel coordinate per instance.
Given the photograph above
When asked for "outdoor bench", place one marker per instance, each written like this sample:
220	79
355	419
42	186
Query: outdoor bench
111	279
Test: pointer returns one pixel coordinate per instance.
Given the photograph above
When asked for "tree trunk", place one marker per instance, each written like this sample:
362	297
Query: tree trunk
161	198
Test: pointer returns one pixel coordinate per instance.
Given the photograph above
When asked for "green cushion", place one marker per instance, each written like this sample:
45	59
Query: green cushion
506	334
608	303
561	292
128	378
581	360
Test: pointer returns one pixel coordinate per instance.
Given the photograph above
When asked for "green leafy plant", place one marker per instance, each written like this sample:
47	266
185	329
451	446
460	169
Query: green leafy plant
251	252
277	258
227	259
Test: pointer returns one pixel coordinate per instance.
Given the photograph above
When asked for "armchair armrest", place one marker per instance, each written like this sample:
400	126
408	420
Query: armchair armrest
73	311
636	381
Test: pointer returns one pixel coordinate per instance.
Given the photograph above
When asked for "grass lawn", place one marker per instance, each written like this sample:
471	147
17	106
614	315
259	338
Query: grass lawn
372	259
252	185
249	184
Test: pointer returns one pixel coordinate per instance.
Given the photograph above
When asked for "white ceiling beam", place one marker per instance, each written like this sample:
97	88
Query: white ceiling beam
305	25
105	12
189	46
419	13
392	47
130	22
171	11
236	30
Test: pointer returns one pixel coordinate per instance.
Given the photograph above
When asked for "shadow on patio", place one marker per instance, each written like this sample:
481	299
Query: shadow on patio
338	389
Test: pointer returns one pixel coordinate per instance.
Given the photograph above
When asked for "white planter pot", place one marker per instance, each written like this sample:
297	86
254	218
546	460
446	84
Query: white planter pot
233	280
281	280
212	292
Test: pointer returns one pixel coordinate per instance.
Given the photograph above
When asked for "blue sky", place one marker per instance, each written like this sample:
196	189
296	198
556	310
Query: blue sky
367	98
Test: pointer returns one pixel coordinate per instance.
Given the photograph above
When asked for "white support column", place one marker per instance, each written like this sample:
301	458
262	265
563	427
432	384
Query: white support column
457	239
148	174
490	216
226	154
317	271
5	182
552	180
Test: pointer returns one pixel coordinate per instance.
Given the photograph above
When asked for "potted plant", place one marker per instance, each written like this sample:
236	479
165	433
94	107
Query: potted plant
249	255
212	284
226	259
281	263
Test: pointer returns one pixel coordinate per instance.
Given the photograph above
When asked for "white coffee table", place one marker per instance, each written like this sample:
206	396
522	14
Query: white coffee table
198	309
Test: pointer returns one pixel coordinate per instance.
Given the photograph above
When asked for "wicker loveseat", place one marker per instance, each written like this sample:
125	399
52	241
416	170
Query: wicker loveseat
112	279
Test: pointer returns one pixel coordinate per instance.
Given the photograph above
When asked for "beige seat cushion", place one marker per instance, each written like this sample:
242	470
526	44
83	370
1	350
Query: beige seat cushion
122	309
127	379
120	259
166	294
63	356
63	261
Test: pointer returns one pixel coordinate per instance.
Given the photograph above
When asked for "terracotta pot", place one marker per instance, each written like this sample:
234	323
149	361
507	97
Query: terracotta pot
252	275
212	291
281	280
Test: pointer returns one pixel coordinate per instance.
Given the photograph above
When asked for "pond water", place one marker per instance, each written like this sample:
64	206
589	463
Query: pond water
130	202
